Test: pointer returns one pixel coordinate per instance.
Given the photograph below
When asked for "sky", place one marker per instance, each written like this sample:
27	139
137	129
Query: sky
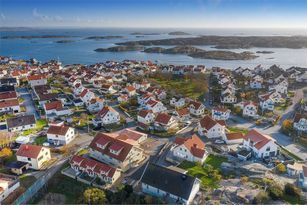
155	13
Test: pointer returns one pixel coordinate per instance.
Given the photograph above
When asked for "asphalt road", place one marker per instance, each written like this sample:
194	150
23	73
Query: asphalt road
28	102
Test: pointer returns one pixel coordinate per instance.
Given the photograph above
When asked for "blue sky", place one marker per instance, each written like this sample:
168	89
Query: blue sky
155	13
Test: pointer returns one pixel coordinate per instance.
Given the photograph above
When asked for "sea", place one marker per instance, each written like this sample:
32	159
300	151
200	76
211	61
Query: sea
81	50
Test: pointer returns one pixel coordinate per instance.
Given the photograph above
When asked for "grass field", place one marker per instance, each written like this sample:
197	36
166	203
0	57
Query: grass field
209	175
190	88
215	161
237	129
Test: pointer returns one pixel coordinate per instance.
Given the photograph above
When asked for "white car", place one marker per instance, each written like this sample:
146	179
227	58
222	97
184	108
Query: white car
219	142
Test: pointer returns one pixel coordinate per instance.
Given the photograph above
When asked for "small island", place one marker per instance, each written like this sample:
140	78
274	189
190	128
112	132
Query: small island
102	37
178	33
65	41
184	50
265	52
120	49
200	53
142	33
33	37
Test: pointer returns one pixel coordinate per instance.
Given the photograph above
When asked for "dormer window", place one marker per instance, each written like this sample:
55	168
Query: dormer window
102	146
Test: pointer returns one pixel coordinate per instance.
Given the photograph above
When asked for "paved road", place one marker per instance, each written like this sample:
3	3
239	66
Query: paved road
28	102
274	131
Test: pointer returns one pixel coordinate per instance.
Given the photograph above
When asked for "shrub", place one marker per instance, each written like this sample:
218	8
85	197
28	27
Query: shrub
292	190
281	168
94	196
244	179
261	198
275	191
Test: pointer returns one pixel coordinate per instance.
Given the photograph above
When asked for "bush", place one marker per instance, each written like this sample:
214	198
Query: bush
275	191
292	190
261	198
244	179
94	196
281	168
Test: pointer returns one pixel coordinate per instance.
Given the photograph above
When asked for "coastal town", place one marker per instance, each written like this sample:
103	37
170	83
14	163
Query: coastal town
139	132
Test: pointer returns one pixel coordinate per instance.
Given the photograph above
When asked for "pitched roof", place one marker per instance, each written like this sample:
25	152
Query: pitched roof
144	113
105	110
9	103
95	166
30	151
36	77
259	139
54	105
130	134
20	121
194	144
183	112
102	139
58	130
8	95
234	135
163	118
207	122
168	180
196	105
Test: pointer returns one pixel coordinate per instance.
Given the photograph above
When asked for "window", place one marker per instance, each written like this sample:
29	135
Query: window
29	159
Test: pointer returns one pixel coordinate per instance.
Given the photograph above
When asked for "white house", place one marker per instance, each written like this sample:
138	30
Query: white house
256	82
130	90
37	80
60	135
94	169
261	145
295	168
160	181
250	109
156	106
8	184
21	123
266	103
196	108
56	108
303	177
106	116
228	98
191	149
10	105
177	102
146	117
234	138
220	113
95	105
165	122
86	96
300	122
35	155
115	152
211	128
281	87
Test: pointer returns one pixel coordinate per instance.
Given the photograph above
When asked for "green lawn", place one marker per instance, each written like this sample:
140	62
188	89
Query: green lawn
26	181
292	199
40	140
208	175
40	124
215	161
188	88
237	129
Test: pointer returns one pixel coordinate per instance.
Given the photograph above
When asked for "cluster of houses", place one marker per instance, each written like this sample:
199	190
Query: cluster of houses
103	88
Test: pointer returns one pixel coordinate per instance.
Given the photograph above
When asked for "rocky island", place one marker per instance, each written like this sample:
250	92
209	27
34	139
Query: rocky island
121	48
229	42
102	37
143	33
65	41
184	50
178	33
200	53
32	37
265	52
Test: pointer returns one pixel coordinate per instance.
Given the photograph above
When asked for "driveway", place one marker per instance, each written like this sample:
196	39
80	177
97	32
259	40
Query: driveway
28	102
274	131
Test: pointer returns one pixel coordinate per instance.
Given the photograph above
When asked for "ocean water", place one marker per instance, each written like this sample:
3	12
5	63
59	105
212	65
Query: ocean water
82	51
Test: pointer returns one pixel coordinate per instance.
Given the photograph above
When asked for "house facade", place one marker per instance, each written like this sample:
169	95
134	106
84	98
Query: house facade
60	135
261	145
34	155
211	128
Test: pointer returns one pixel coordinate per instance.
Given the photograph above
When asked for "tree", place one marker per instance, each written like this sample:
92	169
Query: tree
261	197
281	168
94	196
275	191
287	126
6	152
292	190
244	179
